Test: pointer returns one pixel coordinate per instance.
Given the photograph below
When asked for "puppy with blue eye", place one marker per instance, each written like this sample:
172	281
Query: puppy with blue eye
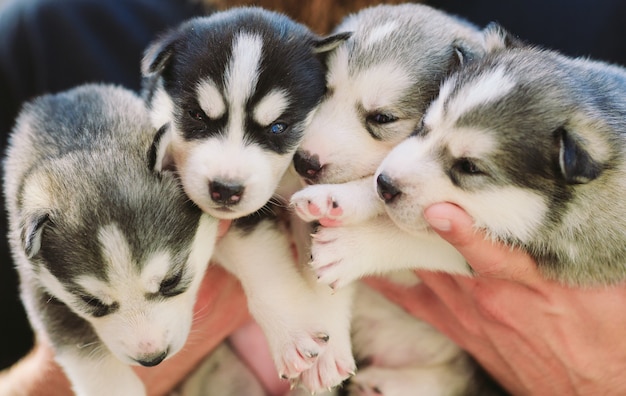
232	95
110	254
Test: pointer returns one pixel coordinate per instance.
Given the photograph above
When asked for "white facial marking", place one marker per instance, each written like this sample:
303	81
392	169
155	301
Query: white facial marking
505	211
97	288
382	85
117	252
470	143
210	99
485	89
380	32
241	78
155	270
271	107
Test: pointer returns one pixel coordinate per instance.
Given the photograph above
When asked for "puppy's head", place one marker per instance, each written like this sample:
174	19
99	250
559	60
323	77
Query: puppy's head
104	236
526	141
379	83
235	90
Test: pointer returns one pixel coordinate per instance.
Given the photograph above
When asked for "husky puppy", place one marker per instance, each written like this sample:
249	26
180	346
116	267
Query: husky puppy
109	253
233	93
532	144
380	82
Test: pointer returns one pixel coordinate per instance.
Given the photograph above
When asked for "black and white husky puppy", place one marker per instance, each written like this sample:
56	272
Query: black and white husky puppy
110	254
232	94
532	144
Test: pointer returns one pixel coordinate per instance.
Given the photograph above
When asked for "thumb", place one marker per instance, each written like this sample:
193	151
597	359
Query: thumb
486	257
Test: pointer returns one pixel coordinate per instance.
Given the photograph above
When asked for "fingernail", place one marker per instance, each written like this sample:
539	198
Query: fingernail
440	224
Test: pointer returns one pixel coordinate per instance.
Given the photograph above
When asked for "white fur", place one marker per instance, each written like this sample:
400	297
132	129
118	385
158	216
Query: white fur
380	32
241	78
162	107
99	376
155	271
226	158
294	330
488	88
271	107
210	99
338	122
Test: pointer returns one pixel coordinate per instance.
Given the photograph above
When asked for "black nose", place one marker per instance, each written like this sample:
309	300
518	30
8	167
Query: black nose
386	188
225	193
152	360
307	165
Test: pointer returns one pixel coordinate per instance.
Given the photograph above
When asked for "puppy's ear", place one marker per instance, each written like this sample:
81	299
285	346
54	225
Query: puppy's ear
494	38
576	164
32	231
159	155
329	43
497	38
158	54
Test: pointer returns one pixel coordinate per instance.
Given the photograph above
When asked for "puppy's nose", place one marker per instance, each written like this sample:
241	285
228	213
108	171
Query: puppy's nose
386	188
225	193
153	359
307	165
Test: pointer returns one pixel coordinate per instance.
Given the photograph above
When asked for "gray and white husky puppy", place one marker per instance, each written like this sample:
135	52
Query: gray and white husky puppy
380	82
532	144
110	254
233	93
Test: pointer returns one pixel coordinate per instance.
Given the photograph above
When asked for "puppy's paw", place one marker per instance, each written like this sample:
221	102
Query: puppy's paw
331	205
319	203
333	259
330	370
299	353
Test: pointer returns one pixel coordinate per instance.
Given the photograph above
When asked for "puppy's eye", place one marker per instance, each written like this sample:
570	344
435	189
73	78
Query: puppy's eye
168	285
381	118
467	166
97	307
197	114
278	127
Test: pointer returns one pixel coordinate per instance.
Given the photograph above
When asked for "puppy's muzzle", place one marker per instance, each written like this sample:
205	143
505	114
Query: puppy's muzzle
386	188
226	193
307	165
152	360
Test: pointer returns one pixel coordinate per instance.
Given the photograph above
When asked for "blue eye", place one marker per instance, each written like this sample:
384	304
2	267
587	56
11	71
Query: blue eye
278	128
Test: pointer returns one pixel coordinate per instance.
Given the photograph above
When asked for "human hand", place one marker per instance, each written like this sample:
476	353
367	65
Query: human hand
532	335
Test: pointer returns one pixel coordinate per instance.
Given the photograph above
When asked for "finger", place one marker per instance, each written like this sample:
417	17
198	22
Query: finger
486	257
420	300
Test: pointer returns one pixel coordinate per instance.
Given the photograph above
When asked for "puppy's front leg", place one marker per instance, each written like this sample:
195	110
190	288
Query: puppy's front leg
307	327
340	255
338	204
99	373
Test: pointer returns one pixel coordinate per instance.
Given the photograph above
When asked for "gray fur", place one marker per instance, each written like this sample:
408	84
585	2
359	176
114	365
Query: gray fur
574	108
422	43
85	153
